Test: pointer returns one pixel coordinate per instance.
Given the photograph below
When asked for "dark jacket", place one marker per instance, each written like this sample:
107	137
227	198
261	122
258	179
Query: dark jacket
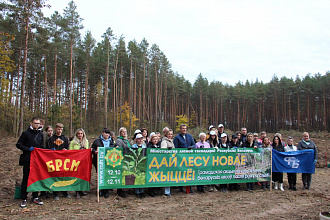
213	143
235	145
29	138
246	144
99	143
150	145
180	142
279	148
228	145
58	142
303	146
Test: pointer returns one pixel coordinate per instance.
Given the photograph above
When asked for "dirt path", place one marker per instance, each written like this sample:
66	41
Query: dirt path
259	204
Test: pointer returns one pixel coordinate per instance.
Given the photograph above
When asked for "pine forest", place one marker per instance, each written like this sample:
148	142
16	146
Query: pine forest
48	69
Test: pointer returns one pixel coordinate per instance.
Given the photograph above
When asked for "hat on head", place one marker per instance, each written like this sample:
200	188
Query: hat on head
211	126
234	136
138	136
223	135
107	131
221	125
152	133
213	133
137	131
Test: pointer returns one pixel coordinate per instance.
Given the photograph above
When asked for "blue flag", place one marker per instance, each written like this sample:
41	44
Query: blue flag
293	162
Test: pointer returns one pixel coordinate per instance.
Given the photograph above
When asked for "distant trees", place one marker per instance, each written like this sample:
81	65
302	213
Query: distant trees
58	75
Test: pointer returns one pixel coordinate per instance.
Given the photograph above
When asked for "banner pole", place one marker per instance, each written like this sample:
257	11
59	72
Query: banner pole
98	173
271	168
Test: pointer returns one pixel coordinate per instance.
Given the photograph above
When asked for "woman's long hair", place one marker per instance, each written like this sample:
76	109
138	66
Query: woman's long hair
83	142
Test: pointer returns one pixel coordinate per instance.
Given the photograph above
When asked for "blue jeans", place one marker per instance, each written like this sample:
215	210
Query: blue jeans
167	190
139	191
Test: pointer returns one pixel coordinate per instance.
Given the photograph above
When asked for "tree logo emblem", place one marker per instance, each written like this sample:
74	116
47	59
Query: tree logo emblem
114	157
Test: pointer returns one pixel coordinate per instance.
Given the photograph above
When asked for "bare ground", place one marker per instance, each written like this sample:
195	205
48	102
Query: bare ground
259	204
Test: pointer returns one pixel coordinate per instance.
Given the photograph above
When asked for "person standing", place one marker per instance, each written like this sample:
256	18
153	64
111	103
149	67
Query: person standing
167	142
292	177
79	142
243	134
47	134
184	140
103	141
307	144
59	142
31	138
278	176
250	143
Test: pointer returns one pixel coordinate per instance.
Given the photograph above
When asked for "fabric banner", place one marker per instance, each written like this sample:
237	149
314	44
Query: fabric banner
65	170
294	162
138	168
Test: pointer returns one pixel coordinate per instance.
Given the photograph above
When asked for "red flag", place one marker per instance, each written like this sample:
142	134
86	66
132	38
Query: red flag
65	170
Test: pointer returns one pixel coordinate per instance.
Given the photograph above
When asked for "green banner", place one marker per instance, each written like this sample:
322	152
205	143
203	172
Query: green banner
138	168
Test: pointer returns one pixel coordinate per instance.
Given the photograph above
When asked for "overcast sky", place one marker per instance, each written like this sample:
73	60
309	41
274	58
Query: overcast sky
224	40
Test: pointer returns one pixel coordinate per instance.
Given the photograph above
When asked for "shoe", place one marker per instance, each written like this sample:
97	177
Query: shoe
167	194
23	203
191	192
68	196
106	195
142	195
152	194
123	195
251	189
211	188
294	188
276	185
281	187
290	187
263	186
215	189
101	193
83	193
77	195
37	201
225	190
56	198
247	189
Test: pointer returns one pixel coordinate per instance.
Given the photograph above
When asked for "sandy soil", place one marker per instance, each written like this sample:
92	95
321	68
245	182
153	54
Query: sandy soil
259	204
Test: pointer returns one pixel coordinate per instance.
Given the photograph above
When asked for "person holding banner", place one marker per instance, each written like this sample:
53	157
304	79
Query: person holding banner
124	143
266	144
29	139
167	142
184	140
250	143
278	176
79	142
306	144
292	177
139	192
212	140
103	141
59	142
202	144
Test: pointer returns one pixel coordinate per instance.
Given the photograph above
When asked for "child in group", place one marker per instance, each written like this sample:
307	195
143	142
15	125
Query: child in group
292	177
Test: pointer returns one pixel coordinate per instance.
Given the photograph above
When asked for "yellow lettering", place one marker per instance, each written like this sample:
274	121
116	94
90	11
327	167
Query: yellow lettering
75	165
243	160
189	174
183	176
50	166
164	162
206	161
173	160
198	164
154	177
185	161
221	163
236	162
58	164
65	162
154	163
175	179
215	161
230	160
163	177
190	161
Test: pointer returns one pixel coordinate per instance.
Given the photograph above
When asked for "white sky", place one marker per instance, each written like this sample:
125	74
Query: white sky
225	40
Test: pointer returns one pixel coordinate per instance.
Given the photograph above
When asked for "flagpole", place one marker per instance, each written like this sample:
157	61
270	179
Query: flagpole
271	168
98	173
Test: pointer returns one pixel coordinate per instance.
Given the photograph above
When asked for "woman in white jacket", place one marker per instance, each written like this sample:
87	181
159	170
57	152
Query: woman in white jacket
167	142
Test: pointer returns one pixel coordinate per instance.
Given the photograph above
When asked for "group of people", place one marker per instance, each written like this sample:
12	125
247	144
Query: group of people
34	137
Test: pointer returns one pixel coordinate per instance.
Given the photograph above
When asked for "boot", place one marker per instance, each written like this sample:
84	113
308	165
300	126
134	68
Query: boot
281	187
276	185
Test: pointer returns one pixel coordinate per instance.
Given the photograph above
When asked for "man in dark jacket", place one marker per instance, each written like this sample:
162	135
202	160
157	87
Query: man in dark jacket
103	141
29	139
59	142
184	140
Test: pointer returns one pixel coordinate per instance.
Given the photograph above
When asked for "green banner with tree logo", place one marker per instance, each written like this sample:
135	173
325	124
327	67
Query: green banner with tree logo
154	167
